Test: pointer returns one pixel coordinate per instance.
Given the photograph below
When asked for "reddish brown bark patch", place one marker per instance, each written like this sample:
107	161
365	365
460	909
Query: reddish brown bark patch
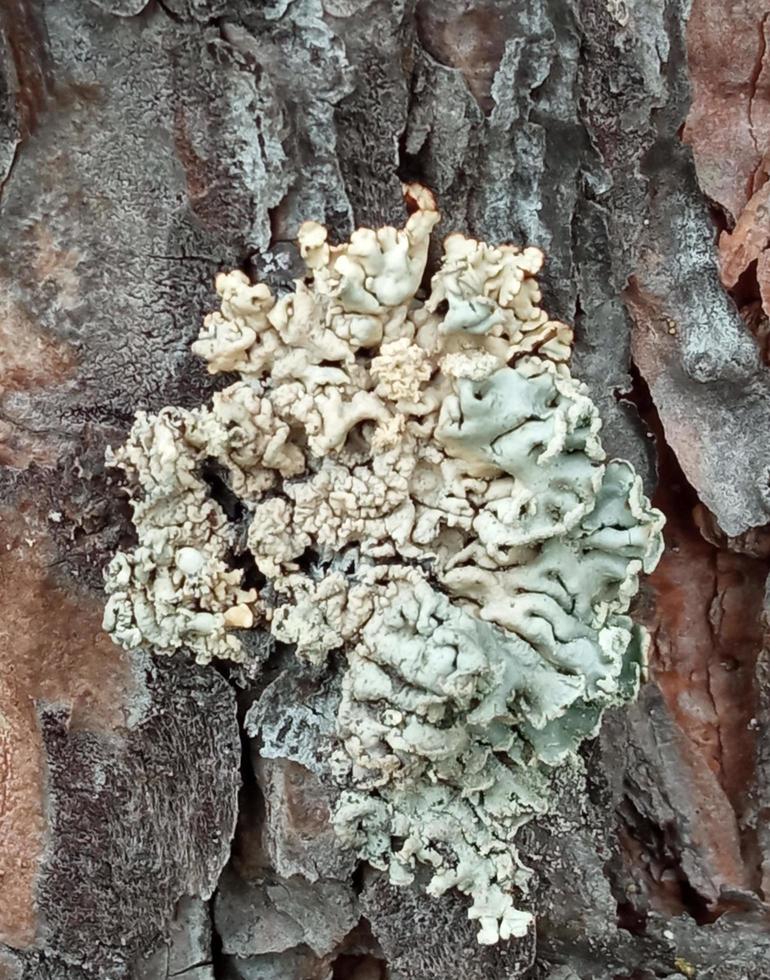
744	254
707	635
704	612
52	650
21	813
728	126
30	358
739	248
469	37
703	606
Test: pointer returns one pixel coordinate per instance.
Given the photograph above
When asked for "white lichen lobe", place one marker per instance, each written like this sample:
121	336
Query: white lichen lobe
426	493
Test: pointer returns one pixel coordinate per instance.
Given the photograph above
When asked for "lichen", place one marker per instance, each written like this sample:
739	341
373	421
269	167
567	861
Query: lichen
427	495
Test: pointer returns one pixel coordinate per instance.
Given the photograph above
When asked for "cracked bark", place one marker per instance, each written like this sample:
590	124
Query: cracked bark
144	147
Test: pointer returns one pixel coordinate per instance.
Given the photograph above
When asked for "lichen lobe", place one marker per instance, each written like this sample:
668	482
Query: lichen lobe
427	493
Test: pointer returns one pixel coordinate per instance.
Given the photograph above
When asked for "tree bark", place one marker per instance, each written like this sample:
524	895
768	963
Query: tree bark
144	146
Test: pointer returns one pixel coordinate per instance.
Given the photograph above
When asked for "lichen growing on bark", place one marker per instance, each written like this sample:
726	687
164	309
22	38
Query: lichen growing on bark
427	494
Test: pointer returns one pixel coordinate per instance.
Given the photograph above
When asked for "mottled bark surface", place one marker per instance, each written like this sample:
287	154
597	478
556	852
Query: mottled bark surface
143	147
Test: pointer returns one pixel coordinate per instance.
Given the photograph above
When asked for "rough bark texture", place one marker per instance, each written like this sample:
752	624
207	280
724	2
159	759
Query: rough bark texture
146	145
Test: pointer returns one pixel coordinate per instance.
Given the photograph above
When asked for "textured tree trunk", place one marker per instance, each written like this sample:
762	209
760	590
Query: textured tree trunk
144	146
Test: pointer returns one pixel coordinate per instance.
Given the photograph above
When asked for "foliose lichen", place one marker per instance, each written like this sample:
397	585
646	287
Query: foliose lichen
427	495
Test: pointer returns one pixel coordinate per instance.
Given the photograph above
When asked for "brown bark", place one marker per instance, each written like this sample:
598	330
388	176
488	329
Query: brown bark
144	146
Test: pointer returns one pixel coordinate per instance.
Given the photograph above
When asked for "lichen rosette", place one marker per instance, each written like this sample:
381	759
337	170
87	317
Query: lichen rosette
428	495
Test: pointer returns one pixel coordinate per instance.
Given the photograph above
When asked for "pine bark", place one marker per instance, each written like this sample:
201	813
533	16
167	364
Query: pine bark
144	146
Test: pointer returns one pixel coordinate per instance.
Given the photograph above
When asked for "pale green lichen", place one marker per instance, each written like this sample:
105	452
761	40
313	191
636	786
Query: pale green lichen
427	493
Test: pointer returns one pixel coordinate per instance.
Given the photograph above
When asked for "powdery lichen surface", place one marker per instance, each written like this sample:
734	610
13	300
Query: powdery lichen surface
428	493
